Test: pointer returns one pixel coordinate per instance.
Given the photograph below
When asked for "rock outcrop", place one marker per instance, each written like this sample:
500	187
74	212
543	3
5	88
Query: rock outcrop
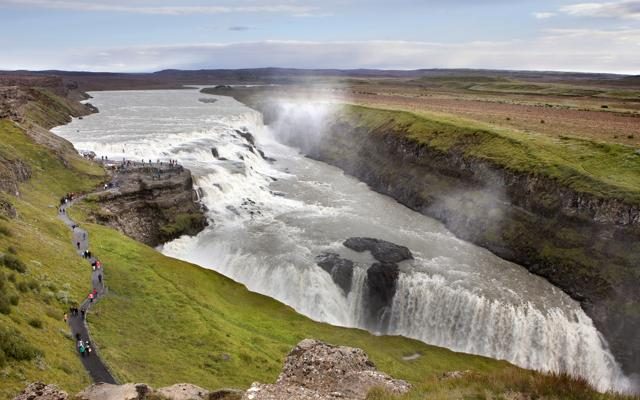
381	280
316	370
340	269
41	391
150	206
381	284
381	250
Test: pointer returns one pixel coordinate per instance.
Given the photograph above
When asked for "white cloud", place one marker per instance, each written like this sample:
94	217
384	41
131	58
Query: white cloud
558	49
543	15
624	9
146	8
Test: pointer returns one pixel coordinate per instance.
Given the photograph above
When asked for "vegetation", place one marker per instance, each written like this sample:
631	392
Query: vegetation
38	258
602	169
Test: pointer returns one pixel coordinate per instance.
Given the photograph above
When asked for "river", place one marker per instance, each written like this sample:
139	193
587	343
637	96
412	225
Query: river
270	219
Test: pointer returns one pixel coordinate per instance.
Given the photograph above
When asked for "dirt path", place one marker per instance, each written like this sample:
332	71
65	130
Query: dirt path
92	363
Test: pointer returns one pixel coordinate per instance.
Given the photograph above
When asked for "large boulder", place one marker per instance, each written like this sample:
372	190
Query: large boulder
40	391
340	269
381	284
381	250
107	391
316	370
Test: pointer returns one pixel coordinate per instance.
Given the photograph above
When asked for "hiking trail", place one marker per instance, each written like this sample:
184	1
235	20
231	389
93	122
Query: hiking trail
94	365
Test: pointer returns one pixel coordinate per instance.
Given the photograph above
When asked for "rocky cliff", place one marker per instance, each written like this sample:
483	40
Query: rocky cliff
151	204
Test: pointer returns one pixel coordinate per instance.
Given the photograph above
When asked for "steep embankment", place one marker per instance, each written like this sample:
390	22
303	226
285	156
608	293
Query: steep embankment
39	270
568	209
152	203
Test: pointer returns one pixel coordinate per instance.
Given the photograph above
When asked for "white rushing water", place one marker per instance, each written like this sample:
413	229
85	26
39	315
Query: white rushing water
271	219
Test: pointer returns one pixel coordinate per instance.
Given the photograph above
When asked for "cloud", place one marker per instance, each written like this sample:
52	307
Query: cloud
146	8
239	28
625	9
543	15
557	49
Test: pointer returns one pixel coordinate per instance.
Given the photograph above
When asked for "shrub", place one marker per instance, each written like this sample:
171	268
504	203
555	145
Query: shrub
33	285
12	250
12	277
22	286
5	305
63	297
14	300
14	263
13	346
4	231
36	323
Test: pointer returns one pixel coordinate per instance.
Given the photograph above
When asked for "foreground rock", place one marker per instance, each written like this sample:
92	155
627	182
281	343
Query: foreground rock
316	370
151	204
381	250
106	391
40	391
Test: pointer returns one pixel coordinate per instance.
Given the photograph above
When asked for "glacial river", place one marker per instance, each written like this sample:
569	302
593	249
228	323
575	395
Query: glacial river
271	219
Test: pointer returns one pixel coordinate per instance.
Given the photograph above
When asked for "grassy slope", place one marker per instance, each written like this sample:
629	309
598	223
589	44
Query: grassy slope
606	170
43	244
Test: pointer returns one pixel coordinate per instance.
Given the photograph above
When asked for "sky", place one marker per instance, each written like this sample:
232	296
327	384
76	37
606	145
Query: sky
151	35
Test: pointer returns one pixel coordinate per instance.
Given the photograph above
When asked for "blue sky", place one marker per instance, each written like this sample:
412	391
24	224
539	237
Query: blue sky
148	35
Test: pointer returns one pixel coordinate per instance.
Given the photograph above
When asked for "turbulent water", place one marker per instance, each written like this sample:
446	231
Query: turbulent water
272	218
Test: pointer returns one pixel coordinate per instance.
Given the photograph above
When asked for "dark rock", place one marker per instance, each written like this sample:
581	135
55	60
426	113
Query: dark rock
383	251
214	152
247	136
7	209
340	269
224	394
381	284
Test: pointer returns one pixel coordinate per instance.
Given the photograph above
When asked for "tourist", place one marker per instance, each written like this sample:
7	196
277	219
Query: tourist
66	318
78	244
90	297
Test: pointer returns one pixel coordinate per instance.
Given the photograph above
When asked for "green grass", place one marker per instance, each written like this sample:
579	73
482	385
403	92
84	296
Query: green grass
43	245
602	169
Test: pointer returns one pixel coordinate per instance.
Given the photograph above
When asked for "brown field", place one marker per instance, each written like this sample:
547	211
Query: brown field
550	115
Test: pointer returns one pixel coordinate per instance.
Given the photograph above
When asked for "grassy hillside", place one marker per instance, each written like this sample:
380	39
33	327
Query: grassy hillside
47	276
603	169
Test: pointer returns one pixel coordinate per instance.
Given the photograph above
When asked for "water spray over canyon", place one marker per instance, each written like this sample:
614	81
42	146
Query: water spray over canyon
273	218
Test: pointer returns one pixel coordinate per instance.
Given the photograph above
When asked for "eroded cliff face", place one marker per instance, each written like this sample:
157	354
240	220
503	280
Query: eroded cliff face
149	206
586	245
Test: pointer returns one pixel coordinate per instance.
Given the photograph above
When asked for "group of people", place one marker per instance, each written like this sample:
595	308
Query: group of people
84	346
67	198
64	200
74	312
